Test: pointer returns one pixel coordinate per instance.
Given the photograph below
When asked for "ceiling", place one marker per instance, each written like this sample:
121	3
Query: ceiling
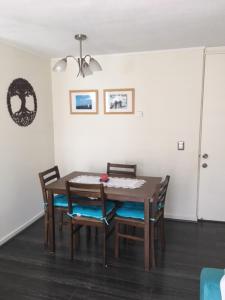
47	27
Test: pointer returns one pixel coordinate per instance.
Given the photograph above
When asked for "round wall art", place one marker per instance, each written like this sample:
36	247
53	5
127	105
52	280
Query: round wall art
21	102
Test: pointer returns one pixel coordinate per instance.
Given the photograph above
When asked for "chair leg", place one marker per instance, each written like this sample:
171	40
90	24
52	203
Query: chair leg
125	228
104	247
156	233
132	230
71	240
152	245
88	233
117	241
162	233
76	239
96	232
61	220
46	229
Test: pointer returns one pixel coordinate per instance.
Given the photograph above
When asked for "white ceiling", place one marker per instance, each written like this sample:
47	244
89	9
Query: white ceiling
113	26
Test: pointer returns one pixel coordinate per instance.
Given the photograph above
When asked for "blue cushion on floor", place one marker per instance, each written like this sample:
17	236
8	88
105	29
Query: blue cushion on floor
210	284
92	211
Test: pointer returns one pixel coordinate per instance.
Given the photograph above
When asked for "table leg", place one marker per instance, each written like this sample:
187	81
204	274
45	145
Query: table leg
51	224
146	235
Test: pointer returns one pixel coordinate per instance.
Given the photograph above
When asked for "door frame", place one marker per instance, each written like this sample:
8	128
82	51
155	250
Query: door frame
206	51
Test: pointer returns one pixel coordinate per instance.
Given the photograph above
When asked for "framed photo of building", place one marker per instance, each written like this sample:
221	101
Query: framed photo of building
119	101
84	102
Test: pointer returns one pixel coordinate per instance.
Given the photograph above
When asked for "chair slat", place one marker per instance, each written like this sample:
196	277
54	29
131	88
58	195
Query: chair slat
51	170
121	169
53	175
50	178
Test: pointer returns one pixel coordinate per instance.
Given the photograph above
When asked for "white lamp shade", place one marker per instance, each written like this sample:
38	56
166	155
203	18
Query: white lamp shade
60	66
86	69
94	65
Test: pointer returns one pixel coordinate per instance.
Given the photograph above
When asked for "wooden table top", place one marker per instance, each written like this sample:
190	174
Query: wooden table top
122	194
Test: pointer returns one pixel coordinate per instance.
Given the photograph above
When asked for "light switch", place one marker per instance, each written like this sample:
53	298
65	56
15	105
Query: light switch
180	145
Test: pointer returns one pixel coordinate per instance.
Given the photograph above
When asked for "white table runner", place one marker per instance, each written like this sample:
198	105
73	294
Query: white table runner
116	182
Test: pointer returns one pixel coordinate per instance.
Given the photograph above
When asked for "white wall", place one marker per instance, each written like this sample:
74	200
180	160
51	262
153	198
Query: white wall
168	91
25	151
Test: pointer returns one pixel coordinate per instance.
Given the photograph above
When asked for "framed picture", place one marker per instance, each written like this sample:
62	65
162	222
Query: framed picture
84	102
119	101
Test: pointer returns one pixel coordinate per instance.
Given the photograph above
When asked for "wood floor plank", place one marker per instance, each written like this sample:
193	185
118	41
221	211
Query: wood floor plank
28	271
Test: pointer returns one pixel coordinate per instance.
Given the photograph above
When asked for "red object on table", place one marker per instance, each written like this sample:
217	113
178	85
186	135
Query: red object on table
104	177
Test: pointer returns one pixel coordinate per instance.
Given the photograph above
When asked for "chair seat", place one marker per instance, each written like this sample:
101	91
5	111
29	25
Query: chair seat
92	211
133	210
60	201
210	284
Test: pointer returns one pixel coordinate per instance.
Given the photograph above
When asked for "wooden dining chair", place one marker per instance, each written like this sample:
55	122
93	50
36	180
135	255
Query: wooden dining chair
60	201
91	208
121	170
132	214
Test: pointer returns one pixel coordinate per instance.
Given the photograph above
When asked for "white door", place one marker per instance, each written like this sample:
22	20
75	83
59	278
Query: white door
211	205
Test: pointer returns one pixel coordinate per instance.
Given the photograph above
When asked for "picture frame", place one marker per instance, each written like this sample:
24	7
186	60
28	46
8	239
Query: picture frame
119	101
83	102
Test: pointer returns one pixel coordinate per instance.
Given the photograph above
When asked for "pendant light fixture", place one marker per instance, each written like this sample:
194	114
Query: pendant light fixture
87	64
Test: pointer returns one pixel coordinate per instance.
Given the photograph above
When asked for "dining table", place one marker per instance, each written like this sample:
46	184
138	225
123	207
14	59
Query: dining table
142	194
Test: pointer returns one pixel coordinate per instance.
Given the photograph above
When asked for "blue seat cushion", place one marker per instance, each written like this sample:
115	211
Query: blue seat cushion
92	211
210	284
130	204
134	210
60	201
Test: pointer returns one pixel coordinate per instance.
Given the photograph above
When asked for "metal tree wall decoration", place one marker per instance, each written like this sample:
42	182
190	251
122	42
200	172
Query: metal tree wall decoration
23	89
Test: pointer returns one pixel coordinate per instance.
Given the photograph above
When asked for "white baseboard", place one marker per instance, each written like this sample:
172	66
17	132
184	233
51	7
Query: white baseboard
21	228
184	218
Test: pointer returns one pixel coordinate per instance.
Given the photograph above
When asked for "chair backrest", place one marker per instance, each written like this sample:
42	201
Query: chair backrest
86	194
163	191
159	198
121	170
46	177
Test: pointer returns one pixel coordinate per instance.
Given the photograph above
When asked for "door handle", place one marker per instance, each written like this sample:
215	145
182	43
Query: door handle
204	165
205	155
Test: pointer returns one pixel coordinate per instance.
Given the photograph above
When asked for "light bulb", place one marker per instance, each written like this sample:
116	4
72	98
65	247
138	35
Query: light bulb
94	65
60	65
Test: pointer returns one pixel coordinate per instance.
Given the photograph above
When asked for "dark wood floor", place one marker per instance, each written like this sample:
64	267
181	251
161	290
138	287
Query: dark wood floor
27	271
